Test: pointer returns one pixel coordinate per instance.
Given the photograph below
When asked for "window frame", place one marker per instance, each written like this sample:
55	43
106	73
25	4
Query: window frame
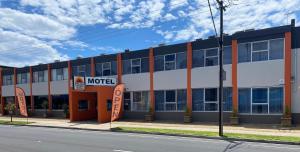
268	50
204	100
205	56
8	78
175	102
132	102
106	68
20	78
79	70
38	77
260	51
268	101
131	65
170	61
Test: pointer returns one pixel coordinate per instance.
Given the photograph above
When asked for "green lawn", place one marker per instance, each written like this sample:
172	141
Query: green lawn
5	122
208	134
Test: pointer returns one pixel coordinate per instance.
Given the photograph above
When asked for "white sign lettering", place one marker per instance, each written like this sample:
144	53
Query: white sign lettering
100	81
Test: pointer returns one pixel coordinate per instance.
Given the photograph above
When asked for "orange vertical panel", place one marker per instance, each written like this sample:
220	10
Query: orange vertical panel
234	76
287	71
93	67
189	76
30	85
119	68
49	88
151	71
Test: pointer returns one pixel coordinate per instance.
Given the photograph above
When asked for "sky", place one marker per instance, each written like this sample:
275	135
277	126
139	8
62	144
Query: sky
42	31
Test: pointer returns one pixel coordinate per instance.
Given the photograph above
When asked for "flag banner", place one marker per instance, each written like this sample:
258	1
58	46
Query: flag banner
22	101
117	102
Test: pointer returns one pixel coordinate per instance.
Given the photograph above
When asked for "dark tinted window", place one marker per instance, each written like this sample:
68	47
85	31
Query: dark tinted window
159	63
244	52
276	49
198	58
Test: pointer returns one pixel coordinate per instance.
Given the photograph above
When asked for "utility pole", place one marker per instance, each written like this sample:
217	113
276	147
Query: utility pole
221	71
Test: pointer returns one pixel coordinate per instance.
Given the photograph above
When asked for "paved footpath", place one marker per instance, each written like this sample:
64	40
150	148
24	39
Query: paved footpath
246	129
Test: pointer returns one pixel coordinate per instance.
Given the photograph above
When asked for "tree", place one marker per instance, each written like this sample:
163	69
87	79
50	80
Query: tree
10	107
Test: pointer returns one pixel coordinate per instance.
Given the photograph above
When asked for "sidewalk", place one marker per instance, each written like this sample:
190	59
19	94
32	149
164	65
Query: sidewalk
93	125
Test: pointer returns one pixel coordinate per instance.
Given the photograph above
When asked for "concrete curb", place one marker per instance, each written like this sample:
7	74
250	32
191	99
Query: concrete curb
174	135
218	138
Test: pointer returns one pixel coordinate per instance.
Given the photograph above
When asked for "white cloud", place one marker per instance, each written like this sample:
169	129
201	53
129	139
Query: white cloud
19	50
169	17
177	3
34	25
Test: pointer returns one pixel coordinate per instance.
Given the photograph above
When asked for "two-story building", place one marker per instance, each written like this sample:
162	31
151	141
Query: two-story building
261	68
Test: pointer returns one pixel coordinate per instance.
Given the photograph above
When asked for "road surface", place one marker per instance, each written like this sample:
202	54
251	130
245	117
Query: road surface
35	139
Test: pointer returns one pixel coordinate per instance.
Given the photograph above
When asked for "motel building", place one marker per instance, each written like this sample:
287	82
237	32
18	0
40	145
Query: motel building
170	82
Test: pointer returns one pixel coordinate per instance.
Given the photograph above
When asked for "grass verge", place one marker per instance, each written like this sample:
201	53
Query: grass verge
208	134
5	122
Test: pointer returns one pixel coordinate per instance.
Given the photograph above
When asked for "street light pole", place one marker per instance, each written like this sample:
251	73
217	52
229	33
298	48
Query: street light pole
221	71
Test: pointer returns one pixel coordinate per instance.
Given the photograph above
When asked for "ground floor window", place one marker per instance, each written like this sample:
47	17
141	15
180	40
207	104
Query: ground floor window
39	100
206	99
261	100
9	100
28	102
58	101
140	101
170	100
126	101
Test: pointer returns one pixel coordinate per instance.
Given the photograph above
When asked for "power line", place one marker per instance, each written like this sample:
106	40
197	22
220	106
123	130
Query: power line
212	18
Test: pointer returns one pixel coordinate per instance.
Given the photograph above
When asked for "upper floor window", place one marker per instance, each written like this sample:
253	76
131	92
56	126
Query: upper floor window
139	65
136	66
227	55
59	74
261	50
82	70
210	57
8	80
106	69
170	61
23	78
40	76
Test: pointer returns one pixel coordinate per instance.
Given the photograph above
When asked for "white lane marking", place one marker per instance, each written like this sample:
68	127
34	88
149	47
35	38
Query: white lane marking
119	150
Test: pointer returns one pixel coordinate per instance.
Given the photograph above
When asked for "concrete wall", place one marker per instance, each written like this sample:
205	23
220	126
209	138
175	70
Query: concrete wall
173	79
59	87
136	82
208	77
129	115
40	88
261	74
25	87
8	91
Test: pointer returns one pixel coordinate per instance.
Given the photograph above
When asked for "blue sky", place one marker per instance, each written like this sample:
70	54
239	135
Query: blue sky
41	31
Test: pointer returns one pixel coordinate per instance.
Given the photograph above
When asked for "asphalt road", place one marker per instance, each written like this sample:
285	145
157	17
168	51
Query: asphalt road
34	139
